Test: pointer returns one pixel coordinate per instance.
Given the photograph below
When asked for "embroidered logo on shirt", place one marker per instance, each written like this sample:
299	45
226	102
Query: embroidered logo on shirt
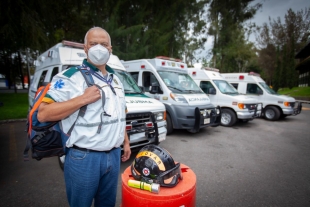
115	81
59	84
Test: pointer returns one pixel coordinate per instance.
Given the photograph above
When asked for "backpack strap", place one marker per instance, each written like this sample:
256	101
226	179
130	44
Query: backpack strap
87	76
90	82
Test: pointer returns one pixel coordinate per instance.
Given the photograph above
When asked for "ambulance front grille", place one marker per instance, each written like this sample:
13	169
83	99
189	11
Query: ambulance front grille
137	120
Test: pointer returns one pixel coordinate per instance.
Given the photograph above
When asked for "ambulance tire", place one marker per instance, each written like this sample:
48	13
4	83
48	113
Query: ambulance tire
283	116
228	118
61	161
272	113
169	124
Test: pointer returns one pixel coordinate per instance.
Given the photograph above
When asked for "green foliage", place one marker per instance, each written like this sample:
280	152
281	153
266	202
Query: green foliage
138	29
295	91
15	106
231	52
289	37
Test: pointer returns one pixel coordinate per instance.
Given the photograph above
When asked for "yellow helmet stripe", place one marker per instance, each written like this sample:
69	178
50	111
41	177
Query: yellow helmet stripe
154	157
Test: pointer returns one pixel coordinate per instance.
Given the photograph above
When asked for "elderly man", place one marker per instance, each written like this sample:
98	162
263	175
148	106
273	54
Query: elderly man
93	152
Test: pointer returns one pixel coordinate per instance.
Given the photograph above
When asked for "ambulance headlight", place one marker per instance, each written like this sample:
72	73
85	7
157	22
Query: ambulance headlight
159	116
178	98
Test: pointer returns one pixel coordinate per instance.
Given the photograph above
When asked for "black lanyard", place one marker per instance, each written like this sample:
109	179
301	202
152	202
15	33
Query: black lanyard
97	75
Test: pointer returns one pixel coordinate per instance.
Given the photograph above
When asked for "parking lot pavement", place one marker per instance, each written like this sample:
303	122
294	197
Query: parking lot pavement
259	163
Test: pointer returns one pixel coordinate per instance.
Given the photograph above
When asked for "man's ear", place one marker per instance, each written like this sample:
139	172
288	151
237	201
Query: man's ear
85	49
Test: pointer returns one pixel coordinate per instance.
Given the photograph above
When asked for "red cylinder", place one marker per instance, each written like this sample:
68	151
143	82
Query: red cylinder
182	195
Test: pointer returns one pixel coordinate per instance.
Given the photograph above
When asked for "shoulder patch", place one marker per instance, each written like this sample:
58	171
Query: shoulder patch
68	73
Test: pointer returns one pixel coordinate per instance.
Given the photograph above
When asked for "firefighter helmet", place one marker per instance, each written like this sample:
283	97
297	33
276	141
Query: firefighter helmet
154	164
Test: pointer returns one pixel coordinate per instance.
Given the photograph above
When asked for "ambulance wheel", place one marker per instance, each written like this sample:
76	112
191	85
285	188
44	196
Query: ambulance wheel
169	125
228	118
272	113
61	161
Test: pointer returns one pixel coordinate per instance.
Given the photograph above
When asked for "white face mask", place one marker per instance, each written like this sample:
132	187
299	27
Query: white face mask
98	55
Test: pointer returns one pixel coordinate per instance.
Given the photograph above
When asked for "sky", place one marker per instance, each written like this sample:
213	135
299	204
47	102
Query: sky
270	8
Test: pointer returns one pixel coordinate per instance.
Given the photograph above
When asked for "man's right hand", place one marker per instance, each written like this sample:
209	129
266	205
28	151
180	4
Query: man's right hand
91	95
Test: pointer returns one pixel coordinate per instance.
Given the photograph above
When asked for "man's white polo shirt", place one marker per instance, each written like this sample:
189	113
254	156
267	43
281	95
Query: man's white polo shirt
70	84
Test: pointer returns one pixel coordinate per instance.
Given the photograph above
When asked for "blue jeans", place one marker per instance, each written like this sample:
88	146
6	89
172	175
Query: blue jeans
92	175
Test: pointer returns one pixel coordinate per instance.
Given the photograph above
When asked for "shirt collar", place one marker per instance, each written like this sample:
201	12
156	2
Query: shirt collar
108	68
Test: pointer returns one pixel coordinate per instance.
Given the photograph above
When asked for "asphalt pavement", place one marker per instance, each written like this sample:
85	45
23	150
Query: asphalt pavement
259	163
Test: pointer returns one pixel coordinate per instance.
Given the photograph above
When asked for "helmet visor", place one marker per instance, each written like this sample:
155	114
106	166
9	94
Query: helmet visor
170	178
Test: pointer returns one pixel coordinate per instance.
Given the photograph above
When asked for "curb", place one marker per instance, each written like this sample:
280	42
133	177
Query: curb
12	120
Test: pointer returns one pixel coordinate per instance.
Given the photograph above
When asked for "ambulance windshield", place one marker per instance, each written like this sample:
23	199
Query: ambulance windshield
267	88
225	87
130	85
179	82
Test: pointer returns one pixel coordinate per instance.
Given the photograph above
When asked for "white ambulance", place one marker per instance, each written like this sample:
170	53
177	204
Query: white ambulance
145	120
166	80
275	106
234	106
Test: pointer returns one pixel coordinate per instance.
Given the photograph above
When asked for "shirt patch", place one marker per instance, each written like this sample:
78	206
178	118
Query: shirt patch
59	84
115	81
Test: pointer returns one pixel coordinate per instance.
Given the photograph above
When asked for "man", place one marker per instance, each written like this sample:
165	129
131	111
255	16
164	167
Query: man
93	155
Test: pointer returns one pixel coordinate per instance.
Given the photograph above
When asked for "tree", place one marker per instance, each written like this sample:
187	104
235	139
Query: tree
231	49
289	37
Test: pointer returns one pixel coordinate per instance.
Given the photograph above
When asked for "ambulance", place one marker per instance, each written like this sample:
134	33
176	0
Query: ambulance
166	80
275	106
234	106
145	119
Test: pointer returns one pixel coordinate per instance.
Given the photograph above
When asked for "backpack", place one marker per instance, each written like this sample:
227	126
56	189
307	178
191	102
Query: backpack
47	139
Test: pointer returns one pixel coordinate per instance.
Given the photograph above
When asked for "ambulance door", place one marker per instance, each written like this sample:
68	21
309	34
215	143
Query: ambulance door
253	89
149	78
206	86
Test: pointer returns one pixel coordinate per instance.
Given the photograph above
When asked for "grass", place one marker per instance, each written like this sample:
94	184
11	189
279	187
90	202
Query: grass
13	106
295	92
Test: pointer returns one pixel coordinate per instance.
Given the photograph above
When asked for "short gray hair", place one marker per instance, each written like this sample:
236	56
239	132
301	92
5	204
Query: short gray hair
96	28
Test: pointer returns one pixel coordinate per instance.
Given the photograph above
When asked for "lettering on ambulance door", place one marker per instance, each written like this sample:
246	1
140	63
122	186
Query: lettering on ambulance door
253	88
147	79
205	86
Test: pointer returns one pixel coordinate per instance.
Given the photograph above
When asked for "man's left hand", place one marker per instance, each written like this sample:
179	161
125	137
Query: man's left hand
127	152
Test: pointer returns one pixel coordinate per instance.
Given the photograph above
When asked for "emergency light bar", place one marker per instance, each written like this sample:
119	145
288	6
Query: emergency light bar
211	69
169	58
254	74
72	44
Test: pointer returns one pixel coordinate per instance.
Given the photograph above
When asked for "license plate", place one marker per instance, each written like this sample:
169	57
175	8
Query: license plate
206	121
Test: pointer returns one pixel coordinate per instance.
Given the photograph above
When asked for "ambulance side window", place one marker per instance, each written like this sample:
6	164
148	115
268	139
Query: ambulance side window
147	79
235	85
205	86
42	78
54	72
253	88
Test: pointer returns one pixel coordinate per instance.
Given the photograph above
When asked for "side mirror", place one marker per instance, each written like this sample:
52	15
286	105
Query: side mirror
154	88
212	91
142	89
